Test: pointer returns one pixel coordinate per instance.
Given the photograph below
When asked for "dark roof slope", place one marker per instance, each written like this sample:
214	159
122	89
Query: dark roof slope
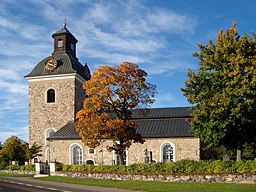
173	112
68	131
157	123
63	31
65	64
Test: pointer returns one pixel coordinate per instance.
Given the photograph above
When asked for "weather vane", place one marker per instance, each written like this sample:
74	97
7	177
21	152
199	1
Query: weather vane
65	23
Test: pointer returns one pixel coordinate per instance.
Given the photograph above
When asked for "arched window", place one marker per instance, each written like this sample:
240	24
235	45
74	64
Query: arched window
60	43
76	154
51	96
48	132
90	162
167	152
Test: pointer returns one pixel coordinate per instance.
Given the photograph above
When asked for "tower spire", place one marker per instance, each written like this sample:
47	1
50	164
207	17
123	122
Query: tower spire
65	23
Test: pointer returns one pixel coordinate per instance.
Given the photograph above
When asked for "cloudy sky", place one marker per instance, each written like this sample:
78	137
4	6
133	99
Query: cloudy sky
159	35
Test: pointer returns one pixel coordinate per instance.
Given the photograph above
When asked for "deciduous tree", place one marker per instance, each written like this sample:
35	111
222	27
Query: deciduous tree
33	151
223	91
112	93
13	150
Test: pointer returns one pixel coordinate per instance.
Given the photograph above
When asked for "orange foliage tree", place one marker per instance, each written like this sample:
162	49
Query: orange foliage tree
112	93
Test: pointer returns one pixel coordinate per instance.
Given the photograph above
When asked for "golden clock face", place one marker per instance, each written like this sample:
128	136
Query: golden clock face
50	64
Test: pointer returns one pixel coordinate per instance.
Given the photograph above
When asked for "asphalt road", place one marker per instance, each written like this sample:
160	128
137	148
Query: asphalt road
22	184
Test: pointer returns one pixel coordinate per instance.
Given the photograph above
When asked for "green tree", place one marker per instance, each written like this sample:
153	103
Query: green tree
13	150
223	91
33	151
112	94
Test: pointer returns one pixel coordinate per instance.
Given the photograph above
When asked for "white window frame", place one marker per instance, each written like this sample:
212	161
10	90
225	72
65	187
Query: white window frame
94	152
60	43
71	155
161	151
116	156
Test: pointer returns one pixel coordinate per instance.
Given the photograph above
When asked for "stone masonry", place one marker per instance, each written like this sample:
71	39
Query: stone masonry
185	148
43	115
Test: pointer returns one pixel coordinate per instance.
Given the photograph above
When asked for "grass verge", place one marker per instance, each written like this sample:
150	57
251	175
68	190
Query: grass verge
16	175
156	186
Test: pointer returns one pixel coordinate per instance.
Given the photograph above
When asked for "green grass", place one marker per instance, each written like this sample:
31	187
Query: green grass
16	175
157	186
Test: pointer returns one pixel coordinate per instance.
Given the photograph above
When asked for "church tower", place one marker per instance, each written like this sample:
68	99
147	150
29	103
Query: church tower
55	91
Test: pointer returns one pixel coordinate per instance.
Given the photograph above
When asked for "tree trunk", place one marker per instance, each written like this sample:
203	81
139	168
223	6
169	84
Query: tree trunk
239	152
122	159
122	153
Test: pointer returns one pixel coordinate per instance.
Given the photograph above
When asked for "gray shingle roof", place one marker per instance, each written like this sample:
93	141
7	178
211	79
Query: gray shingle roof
157	123
68	131
65	64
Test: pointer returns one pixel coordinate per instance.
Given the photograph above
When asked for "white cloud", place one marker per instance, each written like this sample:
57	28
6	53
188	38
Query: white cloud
171	22
21	132
163	100
9	74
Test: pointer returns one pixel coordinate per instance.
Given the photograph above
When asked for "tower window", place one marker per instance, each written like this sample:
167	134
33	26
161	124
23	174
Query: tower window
60	43
72	46
51	96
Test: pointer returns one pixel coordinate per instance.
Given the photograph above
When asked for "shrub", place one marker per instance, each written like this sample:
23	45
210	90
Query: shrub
246	166
66	167
3	164
27	167
183	166
12	167
58	167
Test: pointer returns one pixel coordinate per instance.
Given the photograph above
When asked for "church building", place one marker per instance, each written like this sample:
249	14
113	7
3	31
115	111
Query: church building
55	95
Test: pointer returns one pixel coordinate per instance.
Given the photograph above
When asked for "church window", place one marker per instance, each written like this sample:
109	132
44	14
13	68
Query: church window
51	96
167	152
76	154
72	46
60	43
48	133
117	159
90	161
91	151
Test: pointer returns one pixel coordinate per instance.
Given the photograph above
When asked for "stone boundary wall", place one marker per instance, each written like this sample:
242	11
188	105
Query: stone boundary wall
203	178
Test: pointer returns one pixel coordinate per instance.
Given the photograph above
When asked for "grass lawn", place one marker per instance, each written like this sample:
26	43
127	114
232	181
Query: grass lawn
16	175
157	186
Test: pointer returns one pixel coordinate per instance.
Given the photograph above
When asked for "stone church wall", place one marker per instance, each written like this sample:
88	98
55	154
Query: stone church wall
185	148
43	115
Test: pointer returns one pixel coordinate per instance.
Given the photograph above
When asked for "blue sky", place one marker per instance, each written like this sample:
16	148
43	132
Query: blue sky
159	35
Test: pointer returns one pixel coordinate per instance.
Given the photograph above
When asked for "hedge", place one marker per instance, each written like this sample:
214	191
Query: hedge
183	166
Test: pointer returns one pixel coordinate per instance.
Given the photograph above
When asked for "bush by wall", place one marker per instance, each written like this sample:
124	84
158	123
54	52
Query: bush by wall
19	167
183	166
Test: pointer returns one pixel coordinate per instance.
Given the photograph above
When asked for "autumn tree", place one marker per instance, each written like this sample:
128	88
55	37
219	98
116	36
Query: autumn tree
112	93
223	91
